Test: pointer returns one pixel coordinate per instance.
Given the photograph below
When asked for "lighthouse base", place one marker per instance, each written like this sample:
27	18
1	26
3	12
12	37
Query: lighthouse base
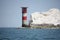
24	25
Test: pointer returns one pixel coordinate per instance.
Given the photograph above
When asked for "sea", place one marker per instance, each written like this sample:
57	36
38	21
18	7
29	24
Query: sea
29	34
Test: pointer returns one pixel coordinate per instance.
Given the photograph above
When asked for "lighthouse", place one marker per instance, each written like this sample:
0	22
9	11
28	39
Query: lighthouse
24	16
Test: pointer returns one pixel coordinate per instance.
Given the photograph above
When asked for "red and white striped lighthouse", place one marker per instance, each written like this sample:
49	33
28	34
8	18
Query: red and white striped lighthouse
24	16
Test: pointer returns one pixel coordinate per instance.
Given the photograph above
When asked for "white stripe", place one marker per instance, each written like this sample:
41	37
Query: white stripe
25	21
25	14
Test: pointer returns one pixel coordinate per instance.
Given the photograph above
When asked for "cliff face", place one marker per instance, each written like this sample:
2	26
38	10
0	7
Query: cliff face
51	16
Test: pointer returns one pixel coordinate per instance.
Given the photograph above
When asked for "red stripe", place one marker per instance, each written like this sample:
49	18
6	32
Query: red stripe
24	18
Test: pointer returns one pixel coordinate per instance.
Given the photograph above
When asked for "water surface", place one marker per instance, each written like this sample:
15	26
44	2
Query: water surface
29	34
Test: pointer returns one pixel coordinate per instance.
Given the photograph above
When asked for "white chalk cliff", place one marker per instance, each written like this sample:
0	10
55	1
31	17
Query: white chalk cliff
51	16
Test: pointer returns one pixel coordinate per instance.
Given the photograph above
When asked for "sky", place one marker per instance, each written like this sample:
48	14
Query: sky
10	10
